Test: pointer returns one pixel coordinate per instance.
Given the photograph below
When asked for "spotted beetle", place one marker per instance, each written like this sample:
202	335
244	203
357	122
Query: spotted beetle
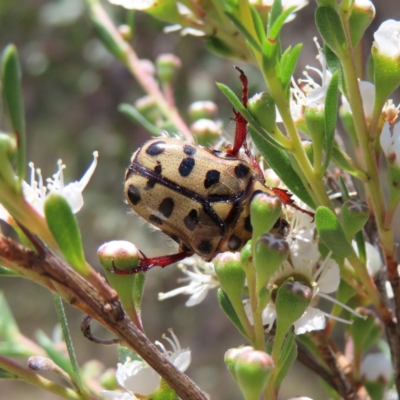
197	196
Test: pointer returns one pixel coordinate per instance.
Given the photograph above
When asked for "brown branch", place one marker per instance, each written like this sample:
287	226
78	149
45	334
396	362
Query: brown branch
49	270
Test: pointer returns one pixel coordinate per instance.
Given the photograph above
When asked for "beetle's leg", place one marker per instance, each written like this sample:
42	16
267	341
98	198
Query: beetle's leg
145	263
241	122
286	198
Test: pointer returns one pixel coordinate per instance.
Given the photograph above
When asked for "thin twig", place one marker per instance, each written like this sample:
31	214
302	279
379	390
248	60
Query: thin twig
81	294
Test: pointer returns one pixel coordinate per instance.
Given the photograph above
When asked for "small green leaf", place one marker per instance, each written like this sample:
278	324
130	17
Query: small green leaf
331	108
286	358
64	227
5	374
7	272
54	352
258	24
9	330
331	232
276	28
133	114
275	12
244	31
289	65
13	101
343	161
331	29
226	305
280	163
236	102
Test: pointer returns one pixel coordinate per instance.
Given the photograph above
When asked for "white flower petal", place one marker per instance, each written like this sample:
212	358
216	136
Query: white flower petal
312	320
329	279
143	382
387	38
108	394
376	366
182	360
198	296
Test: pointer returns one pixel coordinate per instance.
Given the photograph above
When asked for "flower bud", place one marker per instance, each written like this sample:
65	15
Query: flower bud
264	212
253	370
232	355
202	109
271	178
246	255
123	255
206	131
269	254
125	31
8	150
147	106
262	107
167	66
108	379
386	55
231	275
362	14
355	214
292	299
308	146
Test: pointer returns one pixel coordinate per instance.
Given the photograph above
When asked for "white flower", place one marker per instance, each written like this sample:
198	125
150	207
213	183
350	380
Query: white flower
201	280
390	142
322	276
376	367
325	279
367	90
387	38
137	377
37	192
316	92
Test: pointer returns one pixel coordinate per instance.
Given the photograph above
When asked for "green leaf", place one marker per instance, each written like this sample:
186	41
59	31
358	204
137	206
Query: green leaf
331	232
9	330
275	12
280	163
237	103
331	29
243	30
343	161
76	373
288	65
258	24
64	227
7	272
226	305
133	114
54	352
331	109
286	358
5	374
276	28
13	101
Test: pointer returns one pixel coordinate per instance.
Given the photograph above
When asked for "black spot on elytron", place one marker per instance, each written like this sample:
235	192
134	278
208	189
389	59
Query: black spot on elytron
191	220
175	238
155	220
158	168
247	224
212	177
150	184
156	148
277	223
166	207
205	247
186	166
189	150
234	242
241	170
134	195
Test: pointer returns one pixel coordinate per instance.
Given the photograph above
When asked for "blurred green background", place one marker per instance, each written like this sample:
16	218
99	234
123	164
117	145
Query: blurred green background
72	88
